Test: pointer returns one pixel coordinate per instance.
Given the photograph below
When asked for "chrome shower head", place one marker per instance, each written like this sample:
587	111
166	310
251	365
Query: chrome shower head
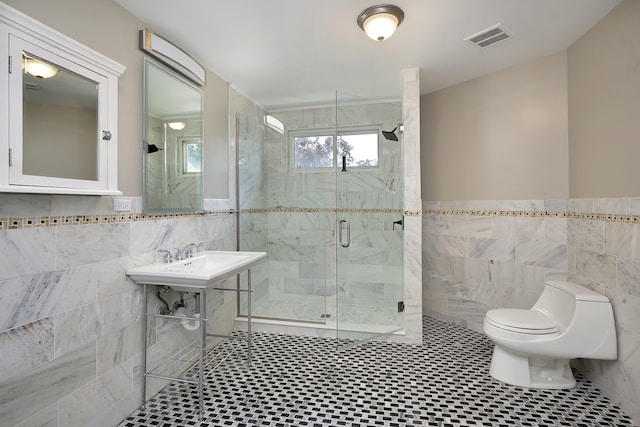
153	148
390	135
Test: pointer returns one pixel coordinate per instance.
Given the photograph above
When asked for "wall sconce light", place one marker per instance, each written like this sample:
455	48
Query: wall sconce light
37	68
169	54
274	123
380	22
177	125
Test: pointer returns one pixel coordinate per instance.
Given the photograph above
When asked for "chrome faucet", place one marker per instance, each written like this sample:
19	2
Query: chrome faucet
187	251
167	255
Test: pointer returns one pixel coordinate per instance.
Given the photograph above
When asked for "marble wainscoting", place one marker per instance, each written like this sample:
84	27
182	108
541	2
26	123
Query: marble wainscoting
479	255
71	324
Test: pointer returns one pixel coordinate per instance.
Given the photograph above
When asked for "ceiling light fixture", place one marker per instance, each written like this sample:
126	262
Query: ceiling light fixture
380	22
40	69
177	125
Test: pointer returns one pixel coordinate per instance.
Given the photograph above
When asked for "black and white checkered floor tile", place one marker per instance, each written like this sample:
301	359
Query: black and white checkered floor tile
305	381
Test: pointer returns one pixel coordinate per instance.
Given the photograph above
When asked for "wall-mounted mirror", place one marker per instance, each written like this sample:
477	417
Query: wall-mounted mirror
60	121
173	144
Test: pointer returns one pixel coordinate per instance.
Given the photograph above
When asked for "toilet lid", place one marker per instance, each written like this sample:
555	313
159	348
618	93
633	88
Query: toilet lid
526	321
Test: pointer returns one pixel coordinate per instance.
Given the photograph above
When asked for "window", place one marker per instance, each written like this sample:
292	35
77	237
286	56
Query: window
317	150
191	156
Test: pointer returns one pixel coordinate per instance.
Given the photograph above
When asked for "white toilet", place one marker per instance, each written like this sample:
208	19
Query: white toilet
533	347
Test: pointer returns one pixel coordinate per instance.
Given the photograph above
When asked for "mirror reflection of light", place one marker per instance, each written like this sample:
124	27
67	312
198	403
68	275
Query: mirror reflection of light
39	69
177	125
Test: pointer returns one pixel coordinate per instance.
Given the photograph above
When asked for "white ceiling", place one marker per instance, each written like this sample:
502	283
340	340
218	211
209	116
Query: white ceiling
292	53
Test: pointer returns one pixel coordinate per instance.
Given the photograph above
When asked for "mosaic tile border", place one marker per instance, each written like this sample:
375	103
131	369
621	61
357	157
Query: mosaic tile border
325	210
15	223
574	215
532	214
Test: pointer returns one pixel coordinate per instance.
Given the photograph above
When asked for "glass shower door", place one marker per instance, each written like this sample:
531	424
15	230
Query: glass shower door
369	213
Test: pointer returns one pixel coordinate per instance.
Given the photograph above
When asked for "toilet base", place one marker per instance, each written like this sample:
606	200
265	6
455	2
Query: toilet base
533	372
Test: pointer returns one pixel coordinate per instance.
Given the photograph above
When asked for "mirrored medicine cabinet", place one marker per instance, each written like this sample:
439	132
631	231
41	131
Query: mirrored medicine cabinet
59	112
172	142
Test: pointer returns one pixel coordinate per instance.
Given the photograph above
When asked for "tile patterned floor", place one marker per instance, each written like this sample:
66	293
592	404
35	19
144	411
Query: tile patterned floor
303	381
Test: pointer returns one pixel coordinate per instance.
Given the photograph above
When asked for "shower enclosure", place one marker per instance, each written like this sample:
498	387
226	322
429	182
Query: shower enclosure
322	193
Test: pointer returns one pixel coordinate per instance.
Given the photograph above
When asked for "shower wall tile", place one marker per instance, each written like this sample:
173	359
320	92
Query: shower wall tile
301	243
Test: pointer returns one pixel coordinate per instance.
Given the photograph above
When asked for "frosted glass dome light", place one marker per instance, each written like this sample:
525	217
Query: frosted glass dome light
39	69
380	22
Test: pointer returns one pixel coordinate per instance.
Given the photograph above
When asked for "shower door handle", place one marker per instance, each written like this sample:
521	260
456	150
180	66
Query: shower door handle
340	227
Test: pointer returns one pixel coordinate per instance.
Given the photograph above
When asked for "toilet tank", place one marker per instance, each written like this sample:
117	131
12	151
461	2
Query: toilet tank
558	300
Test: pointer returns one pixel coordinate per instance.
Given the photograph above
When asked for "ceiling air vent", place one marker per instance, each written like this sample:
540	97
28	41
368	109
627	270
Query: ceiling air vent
488	37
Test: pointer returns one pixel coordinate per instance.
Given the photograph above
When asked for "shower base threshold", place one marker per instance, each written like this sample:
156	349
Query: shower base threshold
320	329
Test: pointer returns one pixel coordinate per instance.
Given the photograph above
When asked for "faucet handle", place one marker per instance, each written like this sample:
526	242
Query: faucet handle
167	255
188	250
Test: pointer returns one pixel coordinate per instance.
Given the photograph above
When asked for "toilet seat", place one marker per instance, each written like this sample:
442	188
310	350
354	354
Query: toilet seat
522	321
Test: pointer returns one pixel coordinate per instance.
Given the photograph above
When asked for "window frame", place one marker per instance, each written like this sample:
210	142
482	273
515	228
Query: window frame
334	133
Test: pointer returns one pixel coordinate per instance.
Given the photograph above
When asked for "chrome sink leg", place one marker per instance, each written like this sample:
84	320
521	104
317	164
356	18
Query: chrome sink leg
144	346
249	343
203	344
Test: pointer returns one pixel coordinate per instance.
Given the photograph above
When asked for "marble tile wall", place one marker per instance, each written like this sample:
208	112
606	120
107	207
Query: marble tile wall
479	255
71	323
301	214
292	214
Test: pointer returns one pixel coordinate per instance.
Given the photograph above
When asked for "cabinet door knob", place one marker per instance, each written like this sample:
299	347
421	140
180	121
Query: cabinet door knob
106	135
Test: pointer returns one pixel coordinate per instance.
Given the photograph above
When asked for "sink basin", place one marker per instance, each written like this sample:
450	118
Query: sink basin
202	271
